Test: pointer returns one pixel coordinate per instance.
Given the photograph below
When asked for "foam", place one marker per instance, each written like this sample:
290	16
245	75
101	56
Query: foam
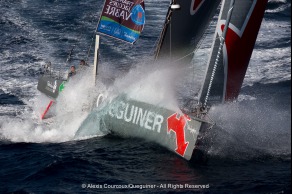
252	126
154	86
71	109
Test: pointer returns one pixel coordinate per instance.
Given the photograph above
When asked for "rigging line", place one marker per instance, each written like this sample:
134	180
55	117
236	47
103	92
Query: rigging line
163	32
153	48
71	51
89	49
204	36
73	47
90	46
157	45
184	57
92	39
59	66
222	41
202	39
170	54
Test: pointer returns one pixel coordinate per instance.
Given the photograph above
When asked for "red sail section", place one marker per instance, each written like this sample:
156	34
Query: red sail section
239	50
197	3
231	65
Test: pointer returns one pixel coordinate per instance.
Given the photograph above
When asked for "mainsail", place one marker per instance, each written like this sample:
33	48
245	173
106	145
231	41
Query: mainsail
122	19
184	28
239	43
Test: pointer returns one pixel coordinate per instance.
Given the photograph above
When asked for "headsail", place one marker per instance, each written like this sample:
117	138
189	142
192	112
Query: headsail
184	28
122	19
239	43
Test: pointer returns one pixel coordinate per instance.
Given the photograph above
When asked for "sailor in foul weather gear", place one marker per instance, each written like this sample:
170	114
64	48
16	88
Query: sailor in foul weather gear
83	64
72	72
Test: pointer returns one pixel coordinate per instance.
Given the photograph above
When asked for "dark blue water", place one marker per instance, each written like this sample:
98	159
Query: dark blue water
250	147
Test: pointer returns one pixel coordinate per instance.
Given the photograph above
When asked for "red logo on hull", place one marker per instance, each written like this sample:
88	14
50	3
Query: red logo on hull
177	125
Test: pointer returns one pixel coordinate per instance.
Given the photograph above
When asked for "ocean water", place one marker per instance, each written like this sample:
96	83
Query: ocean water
250	148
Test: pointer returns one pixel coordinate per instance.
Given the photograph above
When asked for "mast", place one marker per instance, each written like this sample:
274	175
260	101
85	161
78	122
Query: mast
173	6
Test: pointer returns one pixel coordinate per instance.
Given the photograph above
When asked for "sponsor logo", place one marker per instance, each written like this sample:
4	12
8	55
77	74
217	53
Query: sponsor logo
123	19
171	128
178	125
119	9
195	6
136	115
138	15
51	86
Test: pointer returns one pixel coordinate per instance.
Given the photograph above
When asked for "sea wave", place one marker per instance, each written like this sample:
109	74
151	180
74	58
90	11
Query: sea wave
279	6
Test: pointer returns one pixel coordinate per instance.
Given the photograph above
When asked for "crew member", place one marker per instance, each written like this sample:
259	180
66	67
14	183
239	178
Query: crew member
83	64
72	72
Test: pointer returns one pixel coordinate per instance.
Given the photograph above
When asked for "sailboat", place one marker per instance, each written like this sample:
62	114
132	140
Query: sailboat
121	20
185	24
